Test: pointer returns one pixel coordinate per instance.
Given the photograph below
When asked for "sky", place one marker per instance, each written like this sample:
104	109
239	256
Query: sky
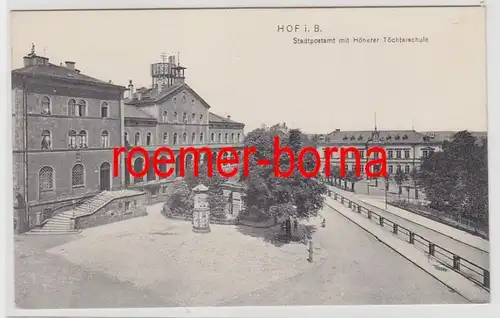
240	63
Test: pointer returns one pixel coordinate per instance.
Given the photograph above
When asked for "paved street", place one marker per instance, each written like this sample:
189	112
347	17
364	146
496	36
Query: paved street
153	261
472	254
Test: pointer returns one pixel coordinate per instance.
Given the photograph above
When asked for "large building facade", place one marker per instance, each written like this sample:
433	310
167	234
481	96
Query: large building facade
404	148
171	114
65	125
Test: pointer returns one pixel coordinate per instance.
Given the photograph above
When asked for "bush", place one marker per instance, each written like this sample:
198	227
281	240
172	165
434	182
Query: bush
182	201
217	204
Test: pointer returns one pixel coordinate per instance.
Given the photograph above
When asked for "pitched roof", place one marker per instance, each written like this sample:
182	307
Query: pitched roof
379	136
132	111
448	135
153	95
62	73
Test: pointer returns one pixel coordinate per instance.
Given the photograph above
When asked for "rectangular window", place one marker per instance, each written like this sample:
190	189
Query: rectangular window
391	170
407	154
389	154
127	206
398	154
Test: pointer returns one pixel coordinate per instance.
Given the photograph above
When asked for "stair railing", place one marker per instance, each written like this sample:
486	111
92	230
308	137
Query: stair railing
86	200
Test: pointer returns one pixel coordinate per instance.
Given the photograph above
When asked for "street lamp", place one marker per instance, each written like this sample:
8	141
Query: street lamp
386	185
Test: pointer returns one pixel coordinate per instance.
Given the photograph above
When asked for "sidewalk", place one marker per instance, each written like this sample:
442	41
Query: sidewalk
453	280
444	229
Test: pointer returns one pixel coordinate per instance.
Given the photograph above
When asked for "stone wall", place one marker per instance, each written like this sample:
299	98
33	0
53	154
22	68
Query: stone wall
117	210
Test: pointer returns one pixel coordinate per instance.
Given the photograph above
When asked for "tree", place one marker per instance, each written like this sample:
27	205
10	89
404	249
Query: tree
400	177
182	200
456	179
352	178
265	190
414	177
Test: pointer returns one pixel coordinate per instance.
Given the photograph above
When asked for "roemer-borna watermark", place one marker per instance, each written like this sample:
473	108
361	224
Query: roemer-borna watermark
228	156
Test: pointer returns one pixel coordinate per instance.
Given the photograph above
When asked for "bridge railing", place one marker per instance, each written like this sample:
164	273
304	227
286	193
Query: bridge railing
463	266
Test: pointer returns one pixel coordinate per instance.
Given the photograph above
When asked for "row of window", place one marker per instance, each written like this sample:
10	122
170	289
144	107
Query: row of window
75	108
390	168
390	154
46	176
75	140
185	120
194	140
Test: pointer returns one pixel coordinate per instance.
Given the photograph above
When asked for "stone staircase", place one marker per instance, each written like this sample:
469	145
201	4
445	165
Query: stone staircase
61	223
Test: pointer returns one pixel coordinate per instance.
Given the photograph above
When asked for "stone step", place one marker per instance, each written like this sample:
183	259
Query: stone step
57	222
42	231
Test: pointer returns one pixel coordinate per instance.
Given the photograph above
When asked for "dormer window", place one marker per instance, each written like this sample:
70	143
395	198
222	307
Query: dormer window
352	138
345	138
360	137
397	137
389	137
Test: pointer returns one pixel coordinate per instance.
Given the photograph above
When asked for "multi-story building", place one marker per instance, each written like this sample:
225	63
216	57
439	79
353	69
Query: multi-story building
171	114
404	148
65	125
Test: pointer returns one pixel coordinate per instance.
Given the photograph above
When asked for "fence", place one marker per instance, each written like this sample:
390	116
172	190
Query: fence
443	217
464	267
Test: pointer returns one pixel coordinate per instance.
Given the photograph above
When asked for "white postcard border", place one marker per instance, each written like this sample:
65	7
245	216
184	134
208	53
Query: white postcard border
493	39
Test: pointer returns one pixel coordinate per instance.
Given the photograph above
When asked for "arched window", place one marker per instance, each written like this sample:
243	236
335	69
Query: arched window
175	139
46	140
138	167
165	138
151	175
148	139
82	108
184	118
137	140
82	139
71	107
193	138
125	139
45	105
104	110
72	139
201	138
77	176
165	116
184	138
212	136
176	116
239	138
105	139
219	139
193	118
163	166
46	178
225	138
232	137
201	118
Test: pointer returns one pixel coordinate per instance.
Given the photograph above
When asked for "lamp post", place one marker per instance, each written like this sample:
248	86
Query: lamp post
386	185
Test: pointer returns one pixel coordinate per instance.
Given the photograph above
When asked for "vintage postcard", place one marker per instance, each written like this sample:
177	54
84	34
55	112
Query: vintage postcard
249	157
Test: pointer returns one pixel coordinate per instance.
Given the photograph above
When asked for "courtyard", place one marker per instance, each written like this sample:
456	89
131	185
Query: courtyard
155	261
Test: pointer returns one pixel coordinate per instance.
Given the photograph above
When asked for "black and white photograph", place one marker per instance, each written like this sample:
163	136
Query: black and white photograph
249	157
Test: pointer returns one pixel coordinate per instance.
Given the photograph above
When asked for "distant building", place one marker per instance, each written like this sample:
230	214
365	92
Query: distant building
170	113
404	148
65	125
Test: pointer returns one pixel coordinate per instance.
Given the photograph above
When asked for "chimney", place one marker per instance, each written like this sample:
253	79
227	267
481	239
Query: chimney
337	130
228	117
70	65
78	71
110	81
130	89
